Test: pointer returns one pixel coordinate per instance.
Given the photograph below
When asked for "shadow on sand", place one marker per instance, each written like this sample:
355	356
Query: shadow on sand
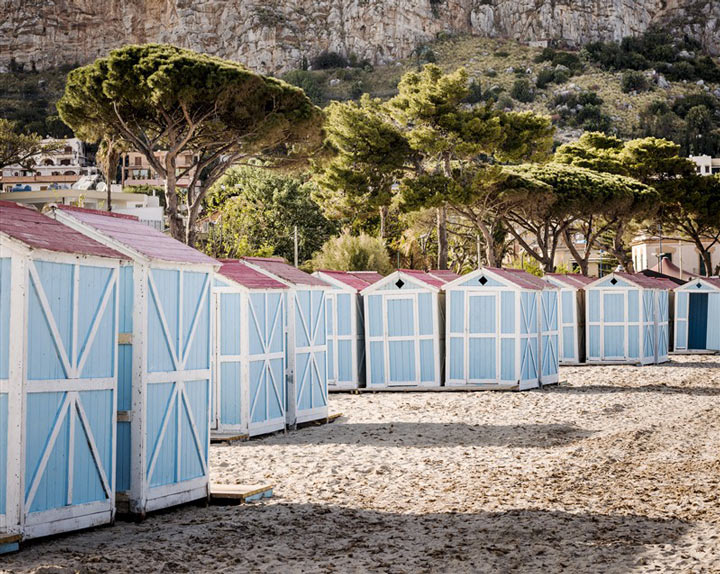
325	538
612	389
436	435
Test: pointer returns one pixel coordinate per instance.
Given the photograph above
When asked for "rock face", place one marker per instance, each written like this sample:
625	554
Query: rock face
275	35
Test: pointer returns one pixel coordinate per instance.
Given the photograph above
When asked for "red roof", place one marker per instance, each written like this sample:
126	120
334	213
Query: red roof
42	232
279	267
712	280
128	231
247	276
645	281
358	280
520	278
571	279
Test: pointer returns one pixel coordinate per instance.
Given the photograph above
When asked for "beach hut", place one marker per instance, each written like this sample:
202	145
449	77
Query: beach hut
58	377
345	326
571	316
165	361
306	351
697	315
502	330
627	319
404	329
249	382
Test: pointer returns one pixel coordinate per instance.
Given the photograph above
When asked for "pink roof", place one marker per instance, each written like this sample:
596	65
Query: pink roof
645	281
444	274
429	278
520	278
669	268
128	231
358	280
715	281
247	276
42	232
279	267
572	279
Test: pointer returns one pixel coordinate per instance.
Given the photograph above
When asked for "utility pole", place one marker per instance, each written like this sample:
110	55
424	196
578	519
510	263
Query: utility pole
660	256
296	246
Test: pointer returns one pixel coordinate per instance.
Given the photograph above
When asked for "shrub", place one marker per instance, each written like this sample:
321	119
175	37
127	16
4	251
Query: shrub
505	102
633	81
561	75
545	76
308	82
475	93
353	253
522	91
328	60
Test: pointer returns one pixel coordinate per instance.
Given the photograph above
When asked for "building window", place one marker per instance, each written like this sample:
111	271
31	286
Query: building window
703	269
138	160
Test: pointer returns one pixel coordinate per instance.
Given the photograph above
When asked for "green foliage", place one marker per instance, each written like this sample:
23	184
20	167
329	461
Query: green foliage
328	60
527	264
160	97
18	148
583	110
475	93
368	157
353	253
569	60
633	81
308	82
693	122
258	213
27	98
678	59
545	77
522	91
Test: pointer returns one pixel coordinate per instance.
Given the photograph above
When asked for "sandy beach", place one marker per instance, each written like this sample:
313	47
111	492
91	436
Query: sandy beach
616	470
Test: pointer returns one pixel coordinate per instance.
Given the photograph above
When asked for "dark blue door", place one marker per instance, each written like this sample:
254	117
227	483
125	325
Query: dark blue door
697	321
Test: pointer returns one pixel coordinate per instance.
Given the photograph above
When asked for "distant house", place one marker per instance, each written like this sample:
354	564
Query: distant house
680	257
706	165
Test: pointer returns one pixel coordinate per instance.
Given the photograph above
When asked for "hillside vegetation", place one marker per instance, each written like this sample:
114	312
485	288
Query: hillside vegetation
653	85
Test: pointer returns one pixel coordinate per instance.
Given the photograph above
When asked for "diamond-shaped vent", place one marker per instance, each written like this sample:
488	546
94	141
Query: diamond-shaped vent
483	280
613	281
399	283
698	285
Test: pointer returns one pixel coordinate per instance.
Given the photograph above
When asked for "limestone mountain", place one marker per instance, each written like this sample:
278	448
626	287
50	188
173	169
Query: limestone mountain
277	35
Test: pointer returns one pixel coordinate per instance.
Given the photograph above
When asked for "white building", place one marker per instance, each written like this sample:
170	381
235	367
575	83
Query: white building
55	170
706	165
680	257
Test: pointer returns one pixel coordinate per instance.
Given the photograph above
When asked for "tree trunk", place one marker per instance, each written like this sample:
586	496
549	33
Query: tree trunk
171	200
620	251
487	234
442	238
581	260
705	254
383	219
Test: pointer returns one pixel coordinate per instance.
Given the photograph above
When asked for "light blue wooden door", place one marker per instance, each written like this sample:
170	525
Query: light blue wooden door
549	336
649	330
529	348
70	402
266	362
178	389
402	333
614	324
228	388
713	336
310	354
482	337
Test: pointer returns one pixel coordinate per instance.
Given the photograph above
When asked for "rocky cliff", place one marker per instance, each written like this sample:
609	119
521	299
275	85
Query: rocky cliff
274	35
